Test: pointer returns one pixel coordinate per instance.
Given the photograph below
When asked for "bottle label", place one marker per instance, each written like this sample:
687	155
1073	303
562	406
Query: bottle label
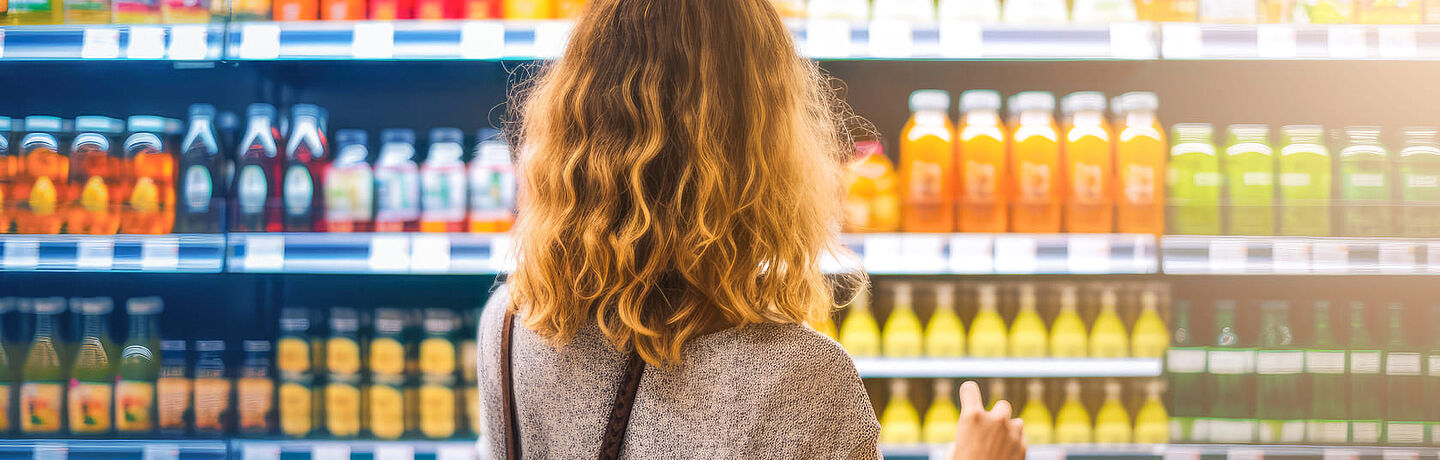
299	189
1434	432
1229	362
1087	183
1365	432
1034	181
40	405
29	6
1279	362
981	182
95	196
1364	362
387	412
342	409
1422	181
295	410
443	195
292	355
212	401
1295	179
134	404
1433	369
1140	184
469	360
342	356
90	407
472	407
349	195
1231	431
1327	431
387	356
398	194
1402	364
5	405
1206	179
172	396
1257	178
252	189
1325	362
1366	180
145	196
255	396
1185	360
492	191
42	196
925	182
437	357
1282	431
1404	432
198	188
437	411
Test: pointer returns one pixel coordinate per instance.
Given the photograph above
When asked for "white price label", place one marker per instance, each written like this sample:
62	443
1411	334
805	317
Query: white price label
2	43
1182	453
1228	256
1132	40
373	40
1340	454
456	452
1275	41
430	253
1015	254
160	452
394	452
1330	256
891	38
923	253
482	40
260	452
502	259
264	253
1043	453
160	254
330	452
1088	254
1181	41
1348	42
1397	42
21	254
827	38
972	254
551	38
882	253
260	41
389	253
100	43
1397	257
146	42
189	42
1290	256
962	39
95	254
1244	453
1405	454
1432	258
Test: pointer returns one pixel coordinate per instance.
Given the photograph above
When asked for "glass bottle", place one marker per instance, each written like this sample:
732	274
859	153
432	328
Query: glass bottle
1250	173
1325	366
139	368
1367	408
1304	181
1420	183
1365	184
1279	364
92	373
1195	181
1232	372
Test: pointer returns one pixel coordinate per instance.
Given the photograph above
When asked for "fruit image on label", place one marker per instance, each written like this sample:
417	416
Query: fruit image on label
1140	184
387	356
925	182
342	356
134	402
42	196
173	399
979	182
1088	182
146	196
1034	181
437	357
295	409
89	408
212	401
252	189
387	412
255	398
342	409
198	188
40	407
437	411
298	190
95	197
292	354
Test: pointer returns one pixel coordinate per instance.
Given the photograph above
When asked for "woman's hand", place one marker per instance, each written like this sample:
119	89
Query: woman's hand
986	435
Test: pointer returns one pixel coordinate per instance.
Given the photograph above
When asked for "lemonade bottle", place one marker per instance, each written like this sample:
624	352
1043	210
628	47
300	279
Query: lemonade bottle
900	423
1072	423
96	185
1089	165
492	185
397	183
872	200
859	333
306	154
138	368
944	335
1112	423
1151	337
442	183
42	393
1194	181
984	172
1304	182
987	330
1027	332
257	174
942	417
350	185
1067	335
902	335
1250	184
1035	163
1420	183
1039	428
149	206
1365	183
531	9
44	173
927	172
1107	336
1140	166
1152	423
92	374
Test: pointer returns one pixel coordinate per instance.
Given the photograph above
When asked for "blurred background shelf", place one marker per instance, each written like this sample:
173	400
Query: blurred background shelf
176	42
113	449
346	450
1239	255
359	253
1022	254
113	253
1299	41
1007	367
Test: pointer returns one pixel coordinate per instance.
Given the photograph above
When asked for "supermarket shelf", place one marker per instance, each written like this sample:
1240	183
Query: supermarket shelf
831	39
113	449
345	450
429	253
1199	451
971	253
1007	367
1287	41
912	451
399	40
113	253
180	42
1238	255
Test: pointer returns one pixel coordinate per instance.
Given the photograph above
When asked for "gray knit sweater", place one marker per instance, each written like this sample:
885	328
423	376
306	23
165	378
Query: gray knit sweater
760	392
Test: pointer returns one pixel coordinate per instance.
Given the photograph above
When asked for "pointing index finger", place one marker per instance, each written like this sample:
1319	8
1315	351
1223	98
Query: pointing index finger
970	400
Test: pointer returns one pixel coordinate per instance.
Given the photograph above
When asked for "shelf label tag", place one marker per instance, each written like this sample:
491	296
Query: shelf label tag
260	452
891	38
389	253
160	452
160	254
922	254
551	37
1432	262
189	42
1348	42
264	253
1397	257
1400	455
962	39
373	40
95	254
1088	254
827	38
100	43
2	43
1290	256
335	451
430	253
482	40
1015	254
146	42
1244	453
972	254
501	260
394	452
1182	454
882	252
1330	256
1181	41
1275	41
22	254
1132	40
1052	453
1340	454
1397	42
1228	256
260	41
456	452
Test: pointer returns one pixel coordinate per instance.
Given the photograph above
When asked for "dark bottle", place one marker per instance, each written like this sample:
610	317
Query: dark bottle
1404	387
201	207
255	390
257	185
173	390
1432	377
1232	376
1325	367
212	389
1367	406
1279	367
305	156
1185	367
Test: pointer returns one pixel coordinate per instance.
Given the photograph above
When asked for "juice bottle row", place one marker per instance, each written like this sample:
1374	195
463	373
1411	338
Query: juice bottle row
1028	334
1050	12
93	176
1123	412
1313	182
44	12
1023	172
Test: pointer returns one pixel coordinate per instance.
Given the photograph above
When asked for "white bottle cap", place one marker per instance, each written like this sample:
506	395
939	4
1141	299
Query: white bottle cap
1083	101
1033	101
1072	389
144	306
94	305
1068	298
987	296
1108	299
899	388
929	100
1139	101
902	295
1112	389
1036	388
979	99
943	388
49	305
1027	296
1149	300
944	295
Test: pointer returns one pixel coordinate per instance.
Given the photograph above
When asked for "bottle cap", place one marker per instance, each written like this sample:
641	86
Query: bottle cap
37	123
1027	295
929	100
1072	388
305	111
1149	300
446	135
94	305
979	99
397	136
1251	129
172	345
255	346
902	294
202	111
1139	101
987	295
209	345
260	109
1033	101
1303	130
1068	297
1112	389
147	124
1036	388
351	137
1195	129
1108	298
4	123
1083	101
944	295
899	388
49	305
97	124
144	306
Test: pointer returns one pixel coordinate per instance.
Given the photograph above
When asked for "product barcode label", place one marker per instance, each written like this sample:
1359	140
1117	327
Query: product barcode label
1185	361
1364	362
1402	364
1231	361
1280	362
1325	362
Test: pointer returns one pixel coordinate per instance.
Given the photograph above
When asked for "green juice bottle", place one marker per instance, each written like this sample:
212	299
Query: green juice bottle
1432	378
42	395
1250	181
1185	368
1325	367
1280	366
1420	183
1194	181
138	369
1304	182
92	374
1232	380
1367	406
1365	184
1404	387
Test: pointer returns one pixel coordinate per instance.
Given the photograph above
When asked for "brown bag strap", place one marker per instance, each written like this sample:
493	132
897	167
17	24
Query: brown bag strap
619	412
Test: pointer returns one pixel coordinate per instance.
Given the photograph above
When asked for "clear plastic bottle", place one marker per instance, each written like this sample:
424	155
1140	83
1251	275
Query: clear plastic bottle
901	337
350	185
306	154
442	183
257	181
397	183
201	207
493	187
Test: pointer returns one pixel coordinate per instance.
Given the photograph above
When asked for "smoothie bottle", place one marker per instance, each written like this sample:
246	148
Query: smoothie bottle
350	185
1140	166
927	172
43	175
397	183
983	166
1194	181
1304	182
1365	183
1420	182
96	186
1034	164
149	206
872	200
1250	181
442	183
1089	165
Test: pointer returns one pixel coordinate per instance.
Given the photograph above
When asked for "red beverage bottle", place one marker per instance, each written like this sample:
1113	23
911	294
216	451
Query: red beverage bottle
257	173
305	156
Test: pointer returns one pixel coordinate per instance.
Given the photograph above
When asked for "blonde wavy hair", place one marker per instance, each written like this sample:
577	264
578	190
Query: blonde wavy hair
682	173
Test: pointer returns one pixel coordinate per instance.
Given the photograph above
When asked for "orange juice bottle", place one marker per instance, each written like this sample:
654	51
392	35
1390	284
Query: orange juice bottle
150	206
342	10
9	162
1140	165
983	174
529	9
482	9
97	176
297	10
565	9
42	177
1089	165
1034	164
927	172
872	200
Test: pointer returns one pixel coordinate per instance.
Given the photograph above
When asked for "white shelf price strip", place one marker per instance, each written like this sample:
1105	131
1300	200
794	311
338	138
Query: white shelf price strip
264	253
189	42
100	43
373	40
1002	367
146	42
22	254
95	254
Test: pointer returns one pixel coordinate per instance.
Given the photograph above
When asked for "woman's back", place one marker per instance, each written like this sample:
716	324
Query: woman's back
762	391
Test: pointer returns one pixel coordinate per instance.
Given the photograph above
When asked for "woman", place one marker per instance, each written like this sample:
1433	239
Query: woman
682	169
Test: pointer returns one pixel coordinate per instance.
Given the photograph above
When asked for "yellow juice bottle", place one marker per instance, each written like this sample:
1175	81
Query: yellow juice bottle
902	335
1108	338
1027	332
997	393
1089	165
941	418
1072	423
987	330
900	423
1039	428
983	164
860	334
1150	338
1035	164
1112	423
529	9
1152	423
927	170
944	335
872	199
1067	335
